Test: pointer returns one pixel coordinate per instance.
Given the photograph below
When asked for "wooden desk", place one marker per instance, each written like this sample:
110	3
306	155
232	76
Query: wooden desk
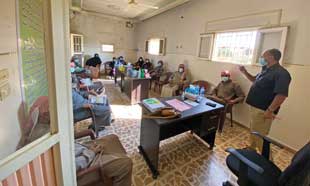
202	120
137	89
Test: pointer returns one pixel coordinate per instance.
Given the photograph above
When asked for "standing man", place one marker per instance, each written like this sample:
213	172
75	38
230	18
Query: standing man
269	90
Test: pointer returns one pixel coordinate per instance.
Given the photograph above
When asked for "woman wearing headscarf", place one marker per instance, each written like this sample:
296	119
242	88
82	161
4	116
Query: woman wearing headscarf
176	82
147	65
139	63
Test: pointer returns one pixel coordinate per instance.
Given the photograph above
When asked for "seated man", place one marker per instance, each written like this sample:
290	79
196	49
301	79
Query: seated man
108	159
228	93
176	82
82	106
158	70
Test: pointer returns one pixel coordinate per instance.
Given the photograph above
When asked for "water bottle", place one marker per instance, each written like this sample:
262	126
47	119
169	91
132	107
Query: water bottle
202	91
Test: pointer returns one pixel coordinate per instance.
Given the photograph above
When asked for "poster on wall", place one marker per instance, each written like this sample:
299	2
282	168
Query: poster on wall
32	51
33	70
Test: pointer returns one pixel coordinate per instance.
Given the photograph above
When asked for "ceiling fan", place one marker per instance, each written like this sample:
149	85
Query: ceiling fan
135	3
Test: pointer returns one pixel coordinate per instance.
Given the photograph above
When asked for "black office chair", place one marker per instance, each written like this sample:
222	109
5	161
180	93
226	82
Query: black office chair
253	169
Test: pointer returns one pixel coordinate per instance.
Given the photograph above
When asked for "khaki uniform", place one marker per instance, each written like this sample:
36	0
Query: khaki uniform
226	91
116	167
175	84
258	123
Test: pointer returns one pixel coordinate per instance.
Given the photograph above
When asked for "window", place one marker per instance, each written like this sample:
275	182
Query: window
241	47
76	44
155	46
107	48
234	47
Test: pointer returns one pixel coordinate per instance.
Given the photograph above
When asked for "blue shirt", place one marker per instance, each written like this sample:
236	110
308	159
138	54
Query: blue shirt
270	82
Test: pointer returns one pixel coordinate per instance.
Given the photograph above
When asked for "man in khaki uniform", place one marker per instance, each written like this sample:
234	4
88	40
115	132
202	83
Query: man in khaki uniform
228	93
269	90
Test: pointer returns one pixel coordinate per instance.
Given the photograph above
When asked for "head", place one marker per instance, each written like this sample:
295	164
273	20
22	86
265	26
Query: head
140	59
147	60
160	63
225	76
96	55
121	58
270	57
181	68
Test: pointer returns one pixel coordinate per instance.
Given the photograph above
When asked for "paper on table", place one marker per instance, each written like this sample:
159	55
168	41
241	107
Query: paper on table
179	105
192	103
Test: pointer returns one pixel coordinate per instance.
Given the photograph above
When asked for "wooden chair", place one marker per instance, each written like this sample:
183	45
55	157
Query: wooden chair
108	68
93	126
160	83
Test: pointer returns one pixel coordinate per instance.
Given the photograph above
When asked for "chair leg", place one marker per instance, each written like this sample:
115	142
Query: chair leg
231	118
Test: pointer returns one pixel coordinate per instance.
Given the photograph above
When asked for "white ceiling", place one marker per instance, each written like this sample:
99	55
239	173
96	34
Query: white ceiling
121	8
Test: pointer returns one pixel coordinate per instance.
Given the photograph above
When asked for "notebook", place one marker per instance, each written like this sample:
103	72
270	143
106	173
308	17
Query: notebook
153	104
179	105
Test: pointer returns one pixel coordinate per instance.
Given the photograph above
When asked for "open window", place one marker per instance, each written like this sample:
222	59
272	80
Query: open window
241	47
270	38
156	46
206	46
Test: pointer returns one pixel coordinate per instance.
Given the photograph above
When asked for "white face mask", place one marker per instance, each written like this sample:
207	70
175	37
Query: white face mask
181	70
224	78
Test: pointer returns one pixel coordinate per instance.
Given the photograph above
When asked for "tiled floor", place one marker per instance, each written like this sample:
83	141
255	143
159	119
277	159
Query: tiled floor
184	159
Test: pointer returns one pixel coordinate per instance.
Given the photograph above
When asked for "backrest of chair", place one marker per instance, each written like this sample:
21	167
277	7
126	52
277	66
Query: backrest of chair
202	83
298	172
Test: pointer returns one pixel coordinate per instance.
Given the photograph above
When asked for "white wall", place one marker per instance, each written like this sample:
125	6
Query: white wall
9	126
293	129
104	30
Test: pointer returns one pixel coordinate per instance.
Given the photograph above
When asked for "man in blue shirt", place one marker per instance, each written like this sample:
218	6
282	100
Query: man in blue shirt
82	106
269	90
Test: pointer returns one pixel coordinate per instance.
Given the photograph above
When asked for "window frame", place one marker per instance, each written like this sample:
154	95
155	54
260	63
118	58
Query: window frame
162	50
258	42
73	52
107	45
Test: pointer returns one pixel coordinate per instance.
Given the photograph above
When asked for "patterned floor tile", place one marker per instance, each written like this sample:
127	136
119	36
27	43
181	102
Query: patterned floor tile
184	159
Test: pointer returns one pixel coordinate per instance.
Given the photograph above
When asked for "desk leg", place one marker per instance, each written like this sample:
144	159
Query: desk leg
210	139
149	144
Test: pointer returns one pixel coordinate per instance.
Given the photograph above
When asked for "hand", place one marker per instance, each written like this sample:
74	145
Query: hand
269	115
87	106
242	69
231	102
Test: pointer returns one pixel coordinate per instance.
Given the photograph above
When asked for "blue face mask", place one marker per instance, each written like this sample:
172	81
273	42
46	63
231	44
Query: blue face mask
262	61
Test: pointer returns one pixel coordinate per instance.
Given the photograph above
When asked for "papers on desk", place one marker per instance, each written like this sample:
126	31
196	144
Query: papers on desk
192	103
87	81
178	105
98	99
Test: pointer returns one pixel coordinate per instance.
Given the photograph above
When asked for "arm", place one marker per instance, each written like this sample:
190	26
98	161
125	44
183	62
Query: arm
276	103
246	73
239	94
281	90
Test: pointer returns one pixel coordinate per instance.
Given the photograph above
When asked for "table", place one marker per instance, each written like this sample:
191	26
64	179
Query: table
202	120
137	89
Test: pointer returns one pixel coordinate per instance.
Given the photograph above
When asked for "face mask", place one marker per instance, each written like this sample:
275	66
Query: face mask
181	70
224	78
262	61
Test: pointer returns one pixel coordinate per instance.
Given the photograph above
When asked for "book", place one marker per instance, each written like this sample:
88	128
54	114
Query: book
153	104
98	99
